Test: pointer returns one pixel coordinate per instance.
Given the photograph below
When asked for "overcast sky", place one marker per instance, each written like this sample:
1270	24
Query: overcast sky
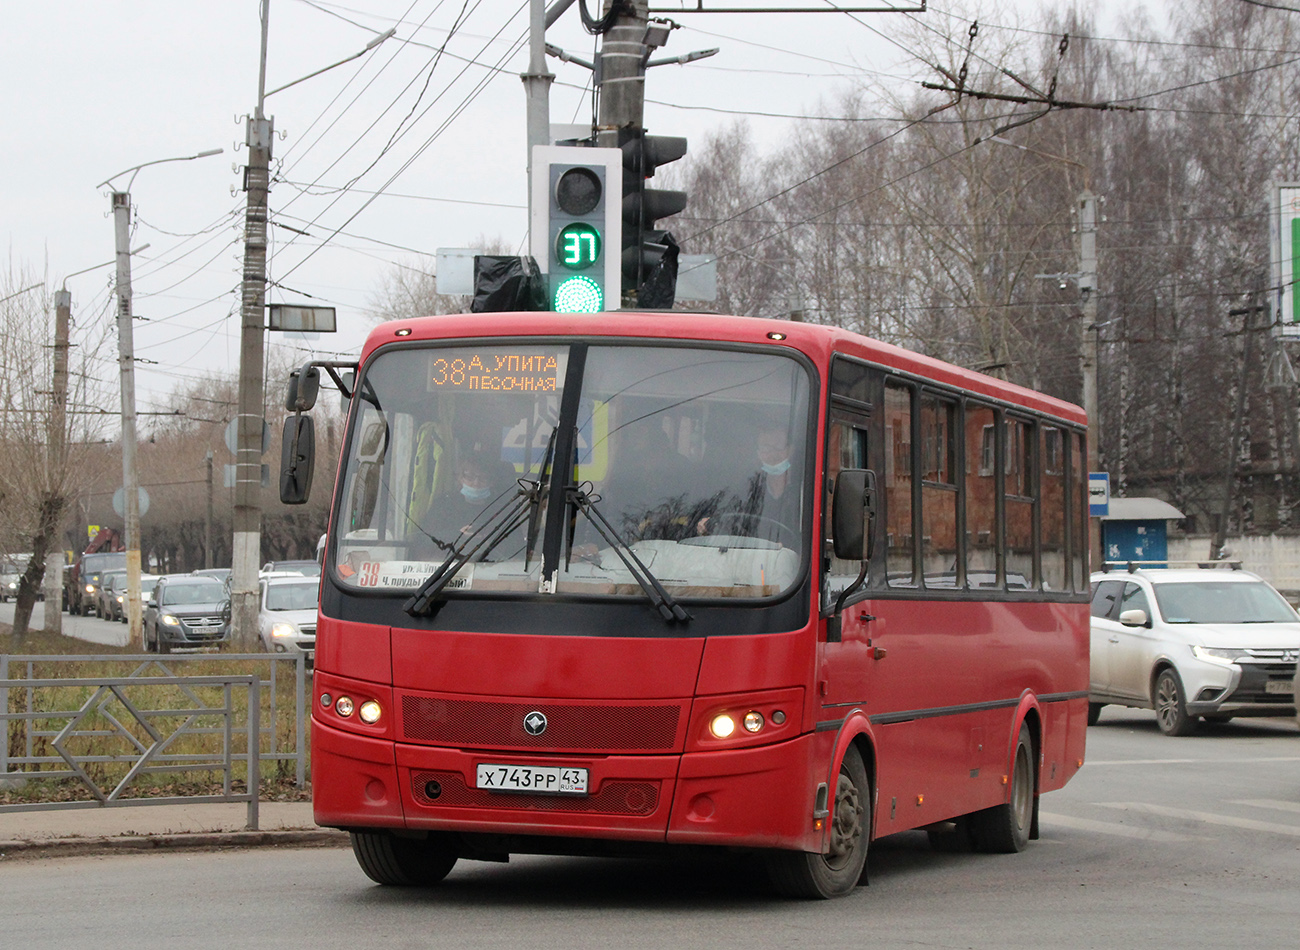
92	87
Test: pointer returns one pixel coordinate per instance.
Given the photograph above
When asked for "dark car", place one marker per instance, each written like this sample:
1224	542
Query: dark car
185	611
82	585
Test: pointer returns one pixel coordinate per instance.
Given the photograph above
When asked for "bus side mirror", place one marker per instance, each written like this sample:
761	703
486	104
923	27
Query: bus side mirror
853	514
297	459
304	385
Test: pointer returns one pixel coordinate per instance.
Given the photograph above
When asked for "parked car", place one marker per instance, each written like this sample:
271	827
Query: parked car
309	568
117	608
185	611
105	596
287	614
1192	644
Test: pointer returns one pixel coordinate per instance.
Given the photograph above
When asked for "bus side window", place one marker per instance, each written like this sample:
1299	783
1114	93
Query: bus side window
365	487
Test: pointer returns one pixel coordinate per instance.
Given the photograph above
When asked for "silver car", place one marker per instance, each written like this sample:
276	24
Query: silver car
1192	643
287	613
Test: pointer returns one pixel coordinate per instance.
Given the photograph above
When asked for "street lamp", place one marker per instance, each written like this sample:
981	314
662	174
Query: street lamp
121	204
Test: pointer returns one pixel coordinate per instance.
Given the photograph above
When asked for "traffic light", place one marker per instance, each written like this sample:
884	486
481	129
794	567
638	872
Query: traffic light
649	255
576	230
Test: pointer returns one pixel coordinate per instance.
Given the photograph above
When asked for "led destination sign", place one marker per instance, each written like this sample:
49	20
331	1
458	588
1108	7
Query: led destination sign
495	371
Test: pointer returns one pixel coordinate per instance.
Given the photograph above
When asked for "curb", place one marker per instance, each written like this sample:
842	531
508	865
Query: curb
200	841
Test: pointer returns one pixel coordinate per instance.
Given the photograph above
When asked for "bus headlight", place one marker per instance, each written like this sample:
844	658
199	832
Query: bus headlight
753	721
722	726
369	712
344	706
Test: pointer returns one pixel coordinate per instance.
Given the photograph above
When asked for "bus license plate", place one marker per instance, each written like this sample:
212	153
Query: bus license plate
537	779
1285	687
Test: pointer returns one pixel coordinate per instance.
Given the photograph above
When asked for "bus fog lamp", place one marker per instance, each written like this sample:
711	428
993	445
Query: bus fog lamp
326	699
722	726
753	721
344	706
778	717
369	712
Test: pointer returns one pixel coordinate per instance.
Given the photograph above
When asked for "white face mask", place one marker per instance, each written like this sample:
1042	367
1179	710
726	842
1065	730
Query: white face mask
475	494
780	468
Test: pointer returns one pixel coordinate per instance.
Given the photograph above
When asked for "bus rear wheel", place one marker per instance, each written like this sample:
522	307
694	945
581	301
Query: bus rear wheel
1004	829
819	876
408	862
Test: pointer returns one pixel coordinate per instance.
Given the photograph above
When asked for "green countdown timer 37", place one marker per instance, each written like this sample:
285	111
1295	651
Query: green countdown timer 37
577	246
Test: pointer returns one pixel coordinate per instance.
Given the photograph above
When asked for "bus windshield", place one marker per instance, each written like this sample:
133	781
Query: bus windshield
692	460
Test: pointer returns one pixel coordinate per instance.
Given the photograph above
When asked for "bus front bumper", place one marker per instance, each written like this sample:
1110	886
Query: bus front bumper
754	797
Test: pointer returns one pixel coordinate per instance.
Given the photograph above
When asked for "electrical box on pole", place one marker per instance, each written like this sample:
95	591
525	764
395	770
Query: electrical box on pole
576	227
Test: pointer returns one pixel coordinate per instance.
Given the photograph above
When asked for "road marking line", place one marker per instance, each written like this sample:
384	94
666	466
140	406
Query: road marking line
1206	817
1269	803
1216	761
1110	828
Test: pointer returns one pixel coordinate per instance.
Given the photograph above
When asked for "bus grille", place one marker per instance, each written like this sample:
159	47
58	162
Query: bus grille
614	798
461	723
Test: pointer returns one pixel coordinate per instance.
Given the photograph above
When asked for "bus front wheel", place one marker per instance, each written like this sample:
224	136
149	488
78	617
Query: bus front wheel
409	862
834	874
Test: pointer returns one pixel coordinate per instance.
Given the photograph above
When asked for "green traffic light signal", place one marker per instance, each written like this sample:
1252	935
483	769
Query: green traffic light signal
578	294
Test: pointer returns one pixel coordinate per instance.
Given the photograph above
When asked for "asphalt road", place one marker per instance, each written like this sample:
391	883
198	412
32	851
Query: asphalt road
1159	842
90	629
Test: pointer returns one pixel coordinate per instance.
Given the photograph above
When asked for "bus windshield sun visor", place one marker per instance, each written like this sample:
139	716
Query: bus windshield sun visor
581	498
511	512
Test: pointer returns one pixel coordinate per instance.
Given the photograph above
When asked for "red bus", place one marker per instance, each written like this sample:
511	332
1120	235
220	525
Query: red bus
596	584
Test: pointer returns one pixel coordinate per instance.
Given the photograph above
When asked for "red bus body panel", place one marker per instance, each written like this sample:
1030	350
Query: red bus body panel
455	700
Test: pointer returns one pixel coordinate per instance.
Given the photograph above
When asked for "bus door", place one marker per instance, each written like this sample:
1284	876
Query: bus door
846	664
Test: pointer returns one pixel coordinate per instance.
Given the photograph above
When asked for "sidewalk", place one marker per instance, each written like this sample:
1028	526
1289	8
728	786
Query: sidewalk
62	833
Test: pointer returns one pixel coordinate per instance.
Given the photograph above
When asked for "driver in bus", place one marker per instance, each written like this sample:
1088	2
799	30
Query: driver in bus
453	512
772	507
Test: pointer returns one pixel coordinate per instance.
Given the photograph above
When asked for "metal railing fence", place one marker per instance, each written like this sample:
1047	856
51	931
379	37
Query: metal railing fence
147	755
121	713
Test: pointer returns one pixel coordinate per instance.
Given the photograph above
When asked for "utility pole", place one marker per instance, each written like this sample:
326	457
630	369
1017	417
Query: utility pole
126	362
537	85
246	549
207	521
126	367
57	454
622	73
1088	347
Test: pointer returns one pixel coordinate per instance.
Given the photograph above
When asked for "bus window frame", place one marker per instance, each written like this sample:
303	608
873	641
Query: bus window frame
816	386
1003	411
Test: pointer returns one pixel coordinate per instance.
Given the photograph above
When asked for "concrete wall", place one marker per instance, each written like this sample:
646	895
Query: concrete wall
1274	558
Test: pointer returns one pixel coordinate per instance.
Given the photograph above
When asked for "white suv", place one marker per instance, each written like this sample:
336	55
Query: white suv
1192	643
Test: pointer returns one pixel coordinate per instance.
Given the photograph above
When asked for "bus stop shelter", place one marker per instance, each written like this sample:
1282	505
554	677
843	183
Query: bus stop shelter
1137	529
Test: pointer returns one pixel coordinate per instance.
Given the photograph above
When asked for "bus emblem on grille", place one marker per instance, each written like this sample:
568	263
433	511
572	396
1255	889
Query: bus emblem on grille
534	723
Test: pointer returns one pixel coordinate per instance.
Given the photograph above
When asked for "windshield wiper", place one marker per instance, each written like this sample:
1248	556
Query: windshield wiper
541	487
509	515
580	497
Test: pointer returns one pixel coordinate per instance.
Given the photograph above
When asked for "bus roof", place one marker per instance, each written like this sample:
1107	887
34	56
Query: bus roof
816	340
